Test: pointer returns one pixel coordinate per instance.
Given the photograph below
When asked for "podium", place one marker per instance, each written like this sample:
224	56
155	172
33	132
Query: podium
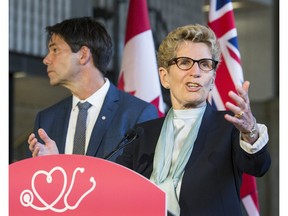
80	185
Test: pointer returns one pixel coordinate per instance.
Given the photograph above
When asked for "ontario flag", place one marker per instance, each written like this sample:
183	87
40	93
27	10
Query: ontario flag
139	73
230	75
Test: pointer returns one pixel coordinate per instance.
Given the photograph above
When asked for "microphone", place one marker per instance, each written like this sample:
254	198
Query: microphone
128	138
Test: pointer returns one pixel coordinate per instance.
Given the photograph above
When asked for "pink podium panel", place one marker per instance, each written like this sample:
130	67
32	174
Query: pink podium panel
80	185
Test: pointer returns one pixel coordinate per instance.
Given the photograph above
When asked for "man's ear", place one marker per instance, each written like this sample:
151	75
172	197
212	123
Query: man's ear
163	74
85	54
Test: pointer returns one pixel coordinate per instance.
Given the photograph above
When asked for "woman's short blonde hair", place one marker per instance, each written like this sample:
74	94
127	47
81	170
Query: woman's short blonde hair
195	33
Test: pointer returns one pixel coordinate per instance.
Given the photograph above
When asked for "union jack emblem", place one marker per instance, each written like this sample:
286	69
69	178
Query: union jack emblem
229	72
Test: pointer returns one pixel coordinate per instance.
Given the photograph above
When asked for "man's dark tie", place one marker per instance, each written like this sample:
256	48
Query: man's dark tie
80	132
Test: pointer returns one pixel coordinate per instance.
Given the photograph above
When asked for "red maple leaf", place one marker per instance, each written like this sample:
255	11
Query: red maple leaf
121	84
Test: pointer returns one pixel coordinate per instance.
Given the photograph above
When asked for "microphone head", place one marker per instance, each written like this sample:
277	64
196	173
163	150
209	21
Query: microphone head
128	138
134	133
130	134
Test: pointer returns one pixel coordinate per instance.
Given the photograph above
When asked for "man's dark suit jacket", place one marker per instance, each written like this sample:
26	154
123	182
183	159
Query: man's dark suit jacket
212	178
122	112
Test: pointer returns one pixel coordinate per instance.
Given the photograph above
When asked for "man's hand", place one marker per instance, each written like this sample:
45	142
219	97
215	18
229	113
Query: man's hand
38	149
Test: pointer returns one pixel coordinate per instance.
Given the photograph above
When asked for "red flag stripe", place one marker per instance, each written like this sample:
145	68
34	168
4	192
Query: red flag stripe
249	188
234	56
137	14
219	28
224	82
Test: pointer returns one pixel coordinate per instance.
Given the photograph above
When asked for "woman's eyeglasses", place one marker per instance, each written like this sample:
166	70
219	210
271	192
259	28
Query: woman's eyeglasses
186	63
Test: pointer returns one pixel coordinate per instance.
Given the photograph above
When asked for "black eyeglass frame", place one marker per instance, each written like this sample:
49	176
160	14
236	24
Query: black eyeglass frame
175	61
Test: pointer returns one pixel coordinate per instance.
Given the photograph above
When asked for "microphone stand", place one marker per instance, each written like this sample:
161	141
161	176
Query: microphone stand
125	141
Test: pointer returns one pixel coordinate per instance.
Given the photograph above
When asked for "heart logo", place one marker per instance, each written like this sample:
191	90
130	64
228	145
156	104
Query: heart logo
45	182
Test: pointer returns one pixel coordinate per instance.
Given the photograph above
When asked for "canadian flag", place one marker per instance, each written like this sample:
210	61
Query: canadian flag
139	73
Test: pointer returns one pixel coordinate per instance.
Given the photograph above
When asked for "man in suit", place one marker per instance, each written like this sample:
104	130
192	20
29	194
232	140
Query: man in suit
79	52
197	154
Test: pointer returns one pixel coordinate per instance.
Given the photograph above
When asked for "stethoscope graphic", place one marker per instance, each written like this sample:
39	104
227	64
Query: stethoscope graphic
27	196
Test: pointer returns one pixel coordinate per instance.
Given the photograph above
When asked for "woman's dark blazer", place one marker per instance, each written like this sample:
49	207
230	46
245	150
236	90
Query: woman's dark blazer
212	178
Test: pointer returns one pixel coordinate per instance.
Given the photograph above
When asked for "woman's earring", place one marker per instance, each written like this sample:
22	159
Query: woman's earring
212	83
